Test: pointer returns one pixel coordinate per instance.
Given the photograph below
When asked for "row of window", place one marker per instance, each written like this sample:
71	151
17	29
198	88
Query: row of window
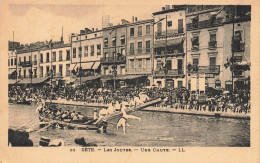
122	41
212	61
86	51
212	42
12	62
60	73
169	24
140	30
140	47
54	58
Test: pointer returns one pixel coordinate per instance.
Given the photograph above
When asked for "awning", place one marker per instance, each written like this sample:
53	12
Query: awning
33	81
73	66
192	17
95	66
122	37
130	77
88	78
113	39
170	42
86	66
11	71
108	77
213	13
11	81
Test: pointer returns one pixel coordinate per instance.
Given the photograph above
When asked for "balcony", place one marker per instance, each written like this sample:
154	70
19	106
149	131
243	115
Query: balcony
139	71
172	72
170	33
110	60
212	45
204	69
238	47
25	64
27	77
205	24
140	51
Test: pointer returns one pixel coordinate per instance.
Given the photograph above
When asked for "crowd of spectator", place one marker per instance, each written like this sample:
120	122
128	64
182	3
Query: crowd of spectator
177	98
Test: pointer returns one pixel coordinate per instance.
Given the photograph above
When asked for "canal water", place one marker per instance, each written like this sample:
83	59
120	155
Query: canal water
154	129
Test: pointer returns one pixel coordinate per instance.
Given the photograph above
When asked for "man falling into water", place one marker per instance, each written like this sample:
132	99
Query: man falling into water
123	120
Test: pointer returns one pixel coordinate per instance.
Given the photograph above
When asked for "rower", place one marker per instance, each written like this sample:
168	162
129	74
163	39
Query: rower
102	113
72	114
81	117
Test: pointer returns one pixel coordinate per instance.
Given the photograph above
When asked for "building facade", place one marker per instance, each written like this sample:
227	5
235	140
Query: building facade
140	49
54	61
205	47
192	46
237	26
169	47
86	53
113	61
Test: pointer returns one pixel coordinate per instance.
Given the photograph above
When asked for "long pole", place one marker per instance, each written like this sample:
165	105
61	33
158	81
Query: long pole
114	72
153	55
31	73
166	51
80	53
51	65
232	61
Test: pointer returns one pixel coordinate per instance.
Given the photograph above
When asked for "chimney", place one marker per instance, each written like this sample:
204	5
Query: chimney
135	19
93	29
172	6
82	32
163	8
96	29
167	7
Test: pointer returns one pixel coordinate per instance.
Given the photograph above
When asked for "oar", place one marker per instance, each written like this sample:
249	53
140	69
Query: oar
44	127
27	122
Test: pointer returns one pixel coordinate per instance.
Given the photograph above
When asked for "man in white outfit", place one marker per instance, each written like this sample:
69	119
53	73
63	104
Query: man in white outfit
123	119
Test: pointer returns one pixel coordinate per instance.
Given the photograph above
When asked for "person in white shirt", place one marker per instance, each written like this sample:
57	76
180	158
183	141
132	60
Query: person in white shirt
102	113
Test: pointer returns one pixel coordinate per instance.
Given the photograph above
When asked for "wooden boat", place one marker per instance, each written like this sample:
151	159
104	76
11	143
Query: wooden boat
24	101
69	124
88	125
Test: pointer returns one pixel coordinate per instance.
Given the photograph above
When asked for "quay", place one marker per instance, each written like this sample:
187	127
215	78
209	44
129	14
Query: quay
218	114
201	113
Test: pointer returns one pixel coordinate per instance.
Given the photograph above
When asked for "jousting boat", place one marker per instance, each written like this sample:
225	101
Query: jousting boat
88	124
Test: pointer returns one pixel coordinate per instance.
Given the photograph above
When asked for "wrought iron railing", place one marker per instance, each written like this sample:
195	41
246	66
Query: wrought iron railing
204	69
140	51
120	59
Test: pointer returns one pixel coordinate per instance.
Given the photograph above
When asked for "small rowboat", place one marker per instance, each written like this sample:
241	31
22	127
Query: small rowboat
68	124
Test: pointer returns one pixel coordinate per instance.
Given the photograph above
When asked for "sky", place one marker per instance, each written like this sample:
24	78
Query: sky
34	22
